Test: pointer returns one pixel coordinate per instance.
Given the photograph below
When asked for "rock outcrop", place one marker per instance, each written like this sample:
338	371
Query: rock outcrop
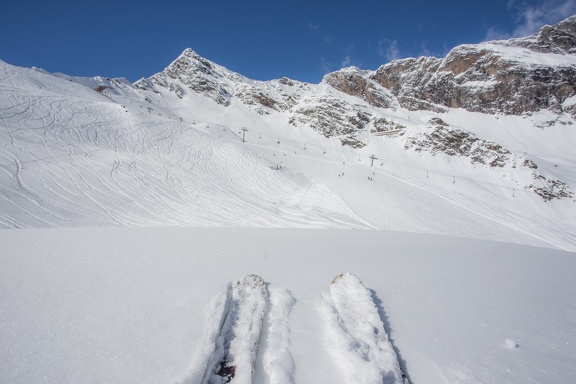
514	77
197	74
481	78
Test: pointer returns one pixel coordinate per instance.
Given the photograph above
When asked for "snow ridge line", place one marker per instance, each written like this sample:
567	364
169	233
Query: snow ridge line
274	364
236	347
360	343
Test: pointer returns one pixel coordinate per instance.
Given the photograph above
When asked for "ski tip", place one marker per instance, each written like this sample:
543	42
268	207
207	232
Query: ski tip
348	276
344	276
337	278
251	280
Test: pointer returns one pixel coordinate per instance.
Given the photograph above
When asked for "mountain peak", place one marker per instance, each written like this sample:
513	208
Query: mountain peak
188	52
559	38
192	72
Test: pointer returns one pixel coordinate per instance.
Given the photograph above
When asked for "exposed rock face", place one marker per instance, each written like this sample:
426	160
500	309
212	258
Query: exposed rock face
305	104
512	77
355	82
479	79
515	77
333	117
454	142
446	140
197	74
551	188
267	97
559	38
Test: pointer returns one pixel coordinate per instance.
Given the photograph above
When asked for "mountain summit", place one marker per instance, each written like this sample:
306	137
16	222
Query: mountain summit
514	76
484	136
517	77
461	171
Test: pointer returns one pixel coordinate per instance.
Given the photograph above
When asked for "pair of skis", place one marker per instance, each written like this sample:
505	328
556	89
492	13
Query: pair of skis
356	315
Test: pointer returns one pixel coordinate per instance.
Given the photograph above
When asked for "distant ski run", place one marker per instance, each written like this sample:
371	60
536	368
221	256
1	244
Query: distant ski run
363	341
236	346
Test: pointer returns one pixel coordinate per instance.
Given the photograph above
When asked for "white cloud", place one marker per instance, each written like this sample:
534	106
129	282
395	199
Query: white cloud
313	27
496	34
327	66
530	17
388	49
350	58
346	62
424	51
318	31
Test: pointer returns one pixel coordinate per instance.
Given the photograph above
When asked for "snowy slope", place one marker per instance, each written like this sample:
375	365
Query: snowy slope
464	276
143	305
115	155
72	157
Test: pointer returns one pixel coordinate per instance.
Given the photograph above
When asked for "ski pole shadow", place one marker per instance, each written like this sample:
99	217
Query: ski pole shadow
388	330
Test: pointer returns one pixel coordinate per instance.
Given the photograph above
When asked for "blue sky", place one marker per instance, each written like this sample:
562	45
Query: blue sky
299	39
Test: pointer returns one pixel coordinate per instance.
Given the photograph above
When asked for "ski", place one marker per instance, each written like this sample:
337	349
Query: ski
236	346
360	321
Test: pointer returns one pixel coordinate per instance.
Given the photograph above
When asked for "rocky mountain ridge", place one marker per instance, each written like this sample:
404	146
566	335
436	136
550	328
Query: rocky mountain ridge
200	145
516	77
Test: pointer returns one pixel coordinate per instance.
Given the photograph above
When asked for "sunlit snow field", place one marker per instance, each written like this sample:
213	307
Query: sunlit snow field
136	217
137	304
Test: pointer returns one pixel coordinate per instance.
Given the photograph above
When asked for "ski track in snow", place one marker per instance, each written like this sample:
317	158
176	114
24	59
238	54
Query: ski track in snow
83	161
358	341
72	157
274	364
236	346
247	336
536	228
247	327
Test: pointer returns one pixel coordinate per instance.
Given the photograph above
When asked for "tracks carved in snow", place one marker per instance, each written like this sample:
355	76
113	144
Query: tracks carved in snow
359	340
253	340
234	357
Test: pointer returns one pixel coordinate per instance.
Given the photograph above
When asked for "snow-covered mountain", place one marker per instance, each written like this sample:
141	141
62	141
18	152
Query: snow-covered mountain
520	77
516	76
200	145
463	169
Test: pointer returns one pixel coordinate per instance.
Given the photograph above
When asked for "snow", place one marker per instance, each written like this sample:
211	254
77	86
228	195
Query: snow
523	56
122	305
277	363
362	347
239	333
72	157
569	101
142	210
480	84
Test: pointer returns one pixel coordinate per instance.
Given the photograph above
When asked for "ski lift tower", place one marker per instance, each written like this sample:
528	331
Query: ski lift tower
373	158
